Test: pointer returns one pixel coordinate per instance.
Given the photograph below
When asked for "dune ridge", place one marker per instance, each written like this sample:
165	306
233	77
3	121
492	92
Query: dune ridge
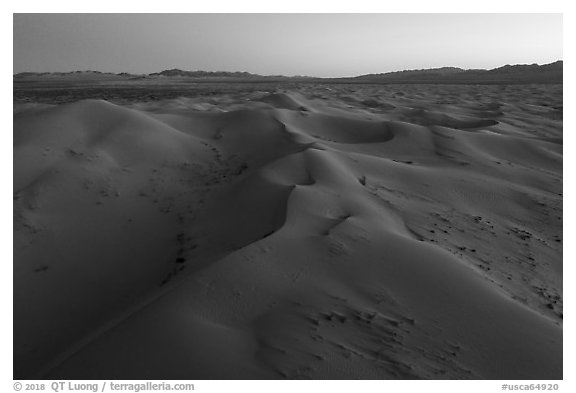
315	233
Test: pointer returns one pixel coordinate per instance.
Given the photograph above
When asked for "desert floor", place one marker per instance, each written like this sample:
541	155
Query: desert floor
291	231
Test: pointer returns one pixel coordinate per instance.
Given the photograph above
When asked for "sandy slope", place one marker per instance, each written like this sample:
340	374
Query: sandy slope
328	232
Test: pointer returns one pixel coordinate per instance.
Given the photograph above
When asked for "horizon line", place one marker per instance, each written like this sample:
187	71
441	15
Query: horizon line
282	75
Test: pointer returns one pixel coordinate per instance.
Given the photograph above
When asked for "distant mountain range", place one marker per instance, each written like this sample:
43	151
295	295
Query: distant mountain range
521	73
205	74
547	73
173	73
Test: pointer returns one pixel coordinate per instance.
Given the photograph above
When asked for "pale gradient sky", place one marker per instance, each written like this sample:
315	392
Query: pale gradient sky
288	44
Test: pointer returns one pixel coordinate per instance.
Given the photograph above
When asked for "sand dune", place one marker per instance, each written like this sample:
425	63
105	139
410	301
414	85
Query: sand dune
318	232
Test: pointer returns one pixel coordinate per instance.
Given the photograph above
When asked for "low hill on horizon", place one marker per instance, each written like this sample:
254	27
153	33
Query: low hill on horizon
523	73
